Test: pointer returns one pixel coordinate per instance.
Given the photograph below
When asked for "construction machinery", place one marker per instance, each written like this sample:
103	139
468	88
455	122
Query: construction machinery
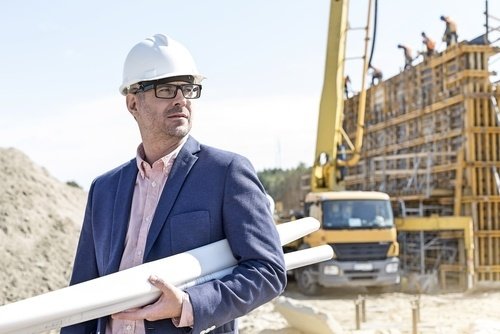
358	225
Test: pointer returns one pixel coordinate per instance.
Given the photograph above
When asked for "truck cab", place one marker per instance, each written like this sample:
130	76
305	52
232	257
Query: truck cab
359	226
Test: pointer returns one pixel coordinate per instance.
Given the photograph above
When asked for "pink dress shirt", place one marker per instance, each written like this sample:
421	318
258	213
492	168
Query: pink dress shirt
148	188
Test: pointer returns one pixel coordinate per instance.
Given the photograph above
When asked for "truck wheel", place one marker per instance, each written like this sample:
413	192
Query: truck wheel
306	281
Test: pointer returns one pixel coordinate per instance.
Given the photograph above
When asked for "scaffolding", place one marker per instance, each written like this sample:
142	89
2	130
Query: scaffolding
432	142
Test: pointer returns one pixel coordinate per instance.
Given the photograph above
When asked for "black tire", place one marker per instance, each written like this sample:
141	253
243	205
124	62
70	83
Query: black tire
306	281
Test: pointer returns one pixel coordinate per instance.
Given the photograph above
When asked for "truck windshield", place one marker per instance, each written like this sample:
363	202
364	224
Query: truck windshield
356	214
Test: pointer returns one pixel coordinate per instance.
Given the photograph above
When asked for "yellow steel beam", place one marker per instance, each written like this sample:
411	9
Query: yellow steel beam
443	223
332	99
438	223
416	113
452	53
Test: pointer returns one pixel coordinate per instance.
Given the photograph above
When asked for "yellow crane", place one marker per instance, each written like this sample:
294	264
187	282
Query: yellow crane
358	225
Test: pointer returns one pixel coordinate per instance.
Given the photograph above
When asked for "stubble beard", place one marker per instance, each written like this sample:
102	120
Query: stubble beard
171	130
179	131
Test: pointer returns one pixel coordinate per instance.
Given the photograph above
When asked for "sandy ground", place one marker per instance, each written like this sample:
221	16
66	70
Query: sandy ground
39	225
476	311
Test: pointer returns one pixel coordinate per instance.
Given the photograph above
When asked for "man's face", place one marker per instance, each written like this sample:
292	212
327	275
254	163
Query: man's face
161	118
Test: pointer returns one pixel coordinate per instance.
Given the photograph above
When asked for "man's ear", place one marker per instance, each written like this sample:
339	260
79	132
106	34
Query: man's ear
132	104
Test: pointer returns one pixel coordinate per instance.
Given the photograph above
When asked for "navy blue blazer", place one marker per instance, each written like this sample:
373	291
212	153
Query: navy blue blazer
210	195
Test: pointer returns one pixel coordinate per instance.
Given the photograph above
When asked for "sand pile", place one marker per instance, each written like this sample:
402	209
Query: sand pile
40	220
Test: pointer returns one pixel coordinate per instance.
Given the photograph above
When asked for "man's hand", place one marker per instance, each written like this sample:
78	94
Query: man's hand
169	305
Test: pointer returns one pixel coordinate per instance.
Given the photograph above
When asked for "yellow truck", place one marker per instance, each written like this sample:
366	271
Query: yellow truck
358	225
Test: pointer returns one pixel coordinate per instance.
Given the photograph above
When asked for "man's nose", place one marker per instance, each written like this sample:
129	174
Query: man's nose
179	97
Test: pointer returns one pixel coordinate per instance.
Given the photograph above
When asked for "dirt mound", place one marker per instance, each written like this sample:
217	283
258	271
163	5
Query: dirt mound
40	220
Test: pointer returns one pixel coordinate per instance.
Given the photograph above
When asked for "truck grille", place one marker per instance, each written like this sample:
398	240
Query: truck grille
362	251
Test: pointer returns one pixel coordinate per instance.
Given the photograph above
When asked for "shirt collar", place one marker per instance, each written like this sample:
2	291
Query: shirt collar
165	161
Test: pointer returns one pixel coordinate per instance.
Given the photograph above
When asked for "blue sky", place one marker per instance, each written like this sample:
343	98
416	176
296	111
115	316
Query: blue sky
61	66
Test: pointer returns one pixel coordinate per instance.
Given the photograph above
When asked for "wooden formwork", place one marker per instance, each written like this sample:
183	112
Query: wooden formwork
432	141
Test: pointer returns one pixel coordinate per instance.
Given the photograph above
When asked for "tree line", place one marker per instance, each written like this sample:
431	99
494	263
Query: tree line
286	187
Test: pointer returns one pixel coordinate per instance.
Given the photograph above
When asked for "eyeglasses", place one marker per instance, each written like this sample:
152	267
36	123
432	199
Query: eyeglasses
169	91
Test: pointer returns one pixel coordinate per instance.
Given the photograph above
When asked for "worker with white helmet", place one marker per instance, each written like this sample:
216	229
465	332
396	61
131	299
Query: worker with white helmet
176	195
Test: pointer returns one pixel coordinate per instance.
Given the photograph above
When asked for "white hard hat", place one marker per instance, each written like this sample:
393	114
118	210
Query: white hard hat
157	57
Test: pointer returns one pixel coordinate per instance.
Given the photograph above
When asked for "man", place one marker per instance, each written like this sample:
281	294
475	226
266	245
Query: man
429	43
408	55
377	75
347	86
450	35
176	195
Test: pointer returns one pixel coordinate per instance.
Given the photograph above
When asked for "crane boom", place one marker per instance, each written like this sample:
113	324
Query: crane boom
332	100
330	135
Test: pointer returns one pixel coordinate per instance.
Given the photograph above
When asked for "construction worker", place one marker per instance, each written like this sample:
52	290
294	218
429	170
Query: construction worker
450	34
429	44
408	55
376	75
347	86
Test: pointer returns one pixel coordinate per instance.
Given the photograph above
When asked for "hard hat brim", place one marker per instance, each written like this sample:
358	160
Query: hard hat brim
198	78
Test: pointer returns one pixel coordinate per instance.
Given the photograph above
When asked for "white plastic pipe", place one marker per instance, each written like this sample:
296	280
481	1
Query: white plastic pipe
107	295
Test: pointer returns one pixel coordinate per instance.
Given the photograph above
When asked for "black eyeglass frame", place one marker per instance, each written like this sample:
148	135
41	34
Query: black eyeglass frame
148	85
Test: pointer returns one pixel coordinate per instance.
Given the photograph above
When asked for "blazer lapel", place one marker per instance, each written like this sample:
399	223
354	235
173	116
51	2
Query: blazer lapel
180	170
121	214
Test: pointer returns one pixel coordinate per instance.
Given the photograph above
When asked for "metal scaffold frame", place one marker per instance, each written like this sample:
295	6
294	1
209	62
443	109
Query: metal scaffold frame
432	141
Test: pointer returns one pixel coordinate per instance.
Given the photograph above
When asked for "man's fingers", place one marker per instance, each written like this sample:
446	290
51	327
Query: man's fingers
161	284
167	306
156	281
